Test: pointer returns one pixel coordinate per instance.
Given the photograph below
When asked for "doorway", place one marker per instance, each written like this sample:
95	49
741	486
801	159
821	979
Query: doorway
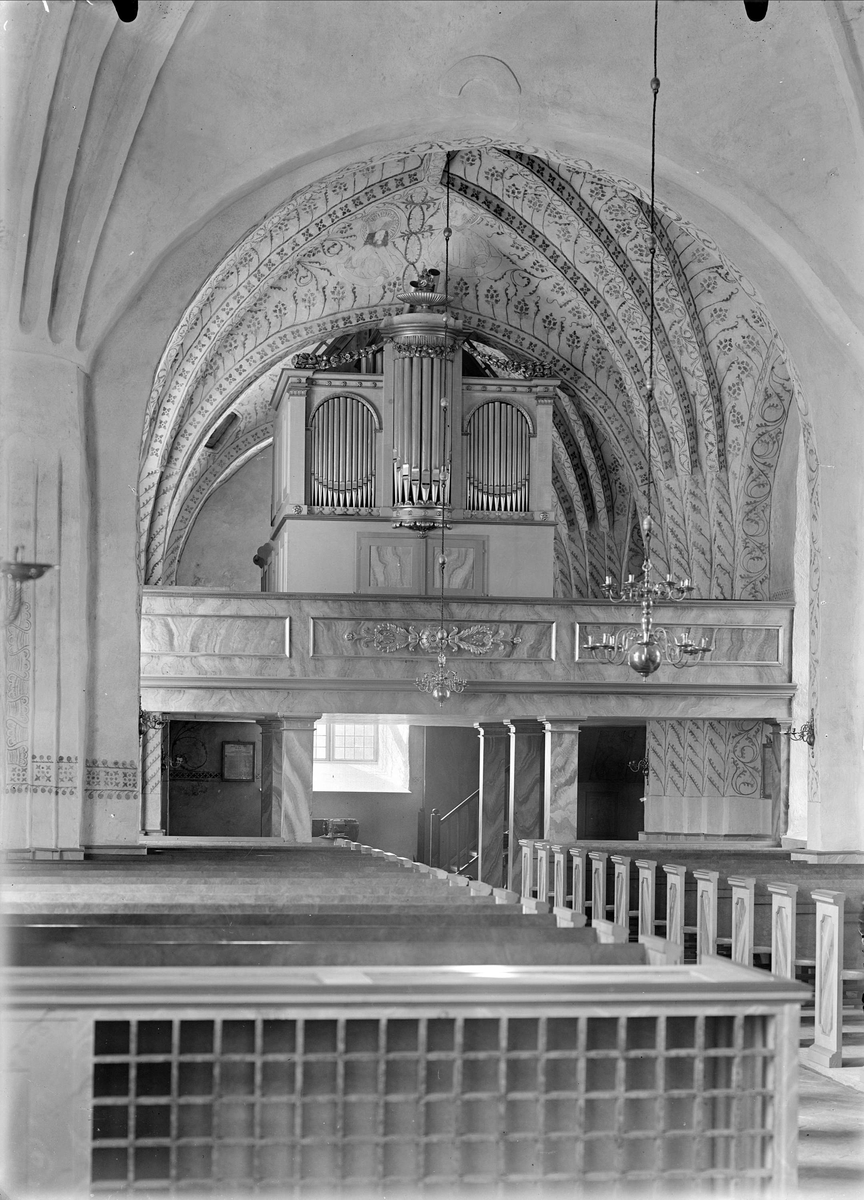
212	779
612	782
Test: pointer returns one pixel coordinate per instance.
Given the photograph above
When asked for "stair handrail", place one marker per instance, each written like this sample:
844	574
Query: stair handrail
461	804
448	820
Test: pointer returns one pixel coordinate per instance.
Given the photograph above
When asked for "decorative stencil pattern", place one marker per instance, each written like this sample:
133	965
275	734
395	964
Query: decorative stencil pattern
58	777
548	260
705	758
107	779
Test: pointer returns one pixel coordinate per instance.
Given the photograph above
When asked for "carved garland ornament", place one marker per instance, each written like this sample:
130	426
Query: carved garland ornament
388	638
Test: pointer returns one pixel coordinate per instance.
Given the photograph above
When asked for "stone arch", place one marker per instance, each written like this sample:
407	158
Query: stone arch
277	290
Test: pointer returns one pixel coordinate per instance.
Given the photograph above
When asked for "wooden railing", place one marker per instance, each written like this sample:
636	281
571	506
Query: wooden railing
453	837
778	926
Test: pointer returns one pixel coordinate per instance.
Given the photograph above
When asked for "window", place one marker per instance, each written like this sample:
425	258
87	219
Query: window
346	743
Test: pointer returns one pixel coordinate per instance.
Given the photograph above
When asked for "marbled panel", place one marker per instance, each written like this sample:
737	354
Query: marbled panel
741	644
561	779
527	761
213	639
248	634
298	735
218	666
494	767
391	565
720	816
357	638
197	602
271	777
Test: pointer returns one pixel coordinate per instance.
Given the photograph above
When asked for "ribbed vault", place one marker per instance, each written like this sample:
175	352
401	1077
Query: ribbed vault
549	261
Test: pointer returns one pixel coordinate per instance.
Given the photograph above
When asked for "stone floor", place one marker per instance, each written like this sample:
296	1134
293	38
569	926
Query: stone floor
831	1138
831	1117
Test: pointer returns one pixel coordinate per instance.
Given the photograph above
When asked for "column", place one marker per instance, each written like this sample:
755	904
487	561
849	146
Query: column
525	817
150	725
561	779
494	798
286	777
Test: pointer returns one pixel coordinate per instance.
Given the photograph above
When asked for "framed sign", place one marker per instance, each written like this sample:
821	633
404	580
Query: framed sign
238	762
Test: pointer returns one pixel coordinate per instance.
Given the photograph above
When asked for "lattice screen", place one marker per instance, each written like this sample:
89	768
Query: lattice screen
514	1105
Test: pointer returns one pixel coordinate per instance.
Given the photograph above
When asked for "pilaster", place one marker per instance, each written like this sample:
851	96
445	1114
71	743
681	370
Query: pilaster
541	451
526	793
494	799
561	779
289	443
286	777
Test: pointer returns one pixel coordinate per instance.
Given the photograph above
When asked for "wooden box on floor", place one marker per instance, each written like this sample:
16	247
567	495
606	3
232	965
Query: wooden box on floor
649	1077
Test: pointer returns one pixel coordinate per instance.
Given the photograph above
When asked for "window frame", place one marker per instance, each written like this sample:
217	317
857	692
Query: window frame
330	738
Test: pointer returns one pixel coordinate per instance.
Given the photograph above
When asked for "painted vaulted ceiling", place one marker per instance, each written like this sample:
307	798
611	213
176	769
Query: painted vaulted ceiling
549	260
136	155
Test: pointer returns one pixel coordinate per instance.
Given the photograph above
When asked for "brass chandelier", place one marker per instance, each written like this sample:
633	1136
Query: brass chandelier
646	647
442	683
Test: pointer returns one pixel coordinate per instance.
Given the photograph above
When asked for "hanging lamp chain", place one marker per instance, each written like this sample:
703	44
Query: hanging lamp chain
646	647
442	682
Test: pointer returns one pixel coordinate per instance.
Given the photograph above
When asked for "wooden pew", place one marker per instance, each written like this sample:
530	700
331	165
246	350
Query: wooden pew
675	880
610	933
706	912
543	888
560	874
578	857
597	867
647	869
621	912
661	951
529	859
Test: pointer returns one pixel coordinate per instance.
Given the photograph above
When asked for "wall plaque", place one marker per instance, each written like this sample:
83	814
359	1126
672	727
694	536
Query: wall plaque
238	762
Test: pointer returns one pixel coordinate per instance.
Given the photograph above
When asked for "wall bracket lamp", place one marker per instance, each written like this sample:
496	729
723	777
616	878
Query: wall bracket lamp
17	573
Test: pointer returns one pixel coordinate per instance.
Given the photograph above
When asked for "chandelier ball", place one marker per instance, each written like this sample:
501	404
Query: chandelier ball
441	692
644	659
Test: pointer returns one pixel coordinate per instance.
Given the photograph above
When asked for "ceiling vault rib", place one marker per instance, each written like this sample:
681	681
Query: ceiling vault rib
636	286
716	444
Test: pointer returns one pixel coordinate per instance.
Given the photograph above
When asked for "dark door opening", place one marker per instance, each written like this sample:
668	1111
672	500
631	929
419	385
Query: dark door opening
611	792
211	782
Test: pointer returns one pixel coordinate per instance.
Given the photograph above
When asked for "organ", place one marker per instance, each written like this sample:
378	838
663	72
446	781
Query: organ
371	442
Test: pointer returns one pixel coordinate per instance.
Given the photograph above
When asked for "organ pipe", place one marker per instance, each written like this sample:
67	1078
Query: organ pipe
342	454
497	474
418	431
